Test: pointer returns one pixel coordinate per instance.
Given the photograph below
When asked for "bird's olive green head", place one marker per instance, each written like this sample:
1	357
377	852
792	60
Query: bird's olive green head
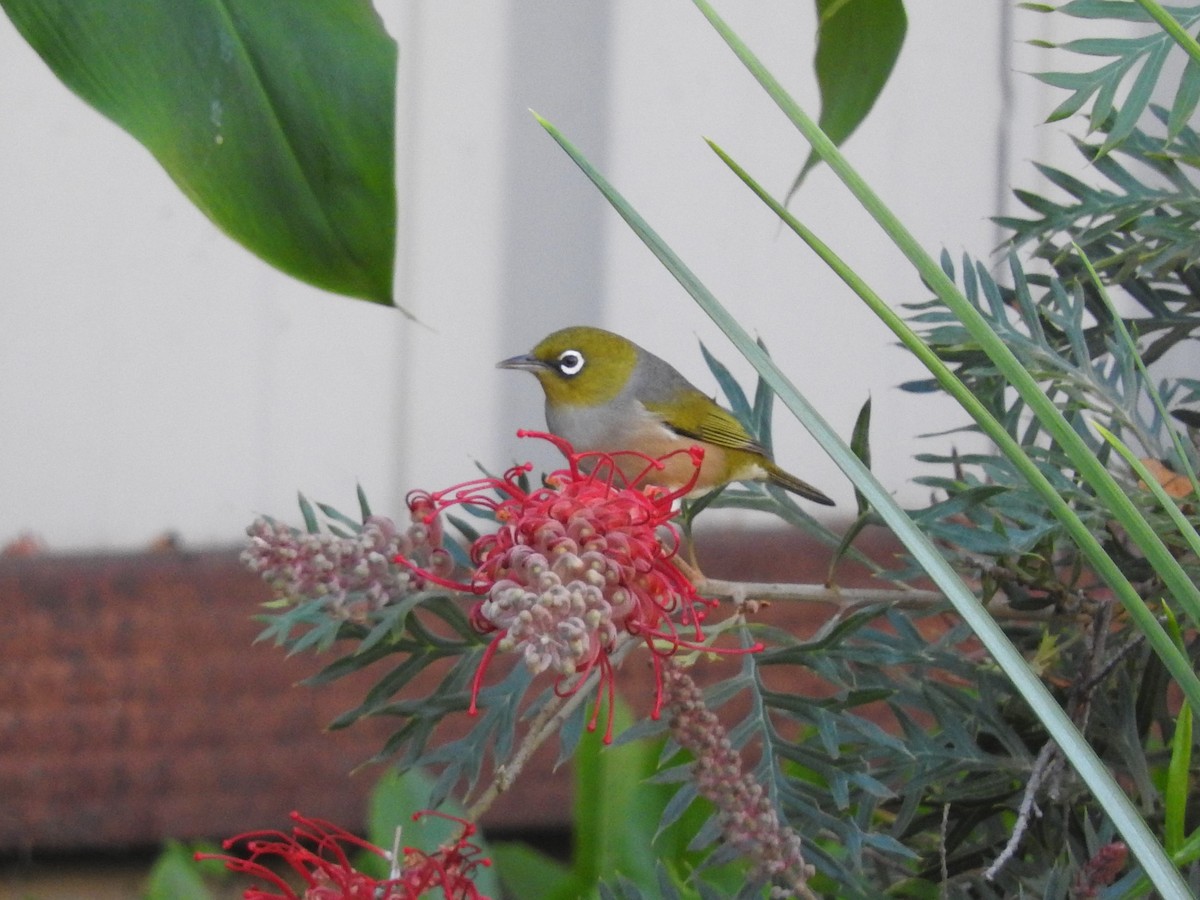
579	366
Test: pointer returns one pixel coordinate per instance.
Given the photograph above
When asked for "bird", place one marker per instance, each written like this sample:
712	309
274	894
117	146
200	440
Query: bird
606	394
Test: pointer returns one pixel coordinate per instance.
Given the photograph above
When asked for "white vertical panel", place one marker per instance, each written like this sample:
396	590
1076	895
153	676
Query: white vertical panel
499	241
449	132
154	375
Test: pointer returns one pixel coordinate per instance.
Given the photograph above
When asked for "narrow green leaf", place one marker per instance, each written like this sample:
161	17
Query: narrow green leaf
729	387
854	529
858	42
1186	99
275	117
1085	461
614	822
321	637
1186	529
1083	757
1137	99
860	443
764	408
1178	791
354	661
469	532
310	515
666	884
1181	457
391	621
570	734
1171	26
1103	46
334	515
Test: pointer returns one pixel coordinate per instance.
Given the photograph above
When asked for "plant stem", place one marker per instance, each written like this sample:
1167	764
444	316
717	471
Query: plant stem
844	598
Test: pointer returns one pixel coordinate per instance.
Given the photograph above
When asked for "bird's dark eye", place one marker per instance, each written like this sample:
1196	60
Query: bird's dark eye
570	362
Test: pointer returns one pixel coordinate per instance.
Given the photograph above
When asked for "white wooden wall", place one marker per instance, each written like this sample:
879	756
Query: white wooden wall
154	376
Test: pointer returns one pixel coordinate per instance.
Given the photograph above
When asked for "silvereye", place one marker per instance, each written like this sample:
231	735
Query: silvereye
605	393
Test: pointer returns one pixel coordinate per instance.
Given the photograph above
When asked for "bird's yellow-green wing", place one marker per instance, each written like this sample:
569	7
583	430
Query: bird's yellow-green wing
696	416
699	417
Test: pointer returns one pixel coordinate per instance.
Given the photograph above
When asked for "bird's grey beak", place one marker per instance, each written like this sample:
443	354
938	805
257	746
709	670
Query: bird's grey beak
525	363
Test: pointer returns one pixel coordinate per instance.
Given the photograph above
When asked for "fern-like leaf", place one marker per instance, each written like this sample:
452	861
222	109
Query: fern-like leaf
1135	63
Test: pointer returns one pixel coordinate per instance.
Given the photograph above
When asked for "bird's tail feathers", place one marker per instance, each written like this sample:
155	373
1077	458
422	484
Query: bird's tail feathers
790	482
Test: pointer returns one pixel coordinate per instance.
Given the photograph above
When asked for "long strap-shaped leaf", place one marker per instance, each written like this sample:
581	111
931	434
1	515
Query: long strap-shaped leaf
1175	659
1176	662
1082	756
1181	587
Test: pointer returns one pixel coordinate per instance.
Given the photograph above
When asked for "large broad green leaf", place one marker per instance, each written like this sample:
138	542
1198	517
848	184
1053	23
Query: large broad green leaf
276	117
858	42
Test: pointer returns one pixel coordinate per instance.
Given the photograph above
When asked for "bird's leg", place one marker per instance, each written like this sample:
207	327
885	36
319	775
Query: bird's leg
690	567
688	510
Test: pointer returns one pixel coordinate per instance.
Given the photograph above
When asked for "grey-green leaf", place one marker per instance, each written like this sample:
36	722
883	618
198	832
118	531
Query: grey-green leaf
858	42
1135	62
275	117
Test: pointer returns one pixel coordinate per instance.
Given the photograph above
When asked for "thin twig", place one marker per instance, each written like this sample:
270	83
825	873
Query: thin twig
844	598
943	834
1079	703
734	590
1064	597
1047	761
1111	663
547	722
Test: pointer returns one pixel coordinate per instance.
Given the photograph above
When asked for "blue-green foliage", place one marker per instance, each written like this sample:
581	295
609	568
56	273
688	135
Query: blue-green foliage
1136	61
888	740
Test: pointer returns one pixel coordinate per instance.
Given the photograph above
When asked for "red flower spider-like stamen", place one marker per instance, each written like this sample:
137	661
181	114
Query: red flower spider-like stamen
449	868
575	563
316	851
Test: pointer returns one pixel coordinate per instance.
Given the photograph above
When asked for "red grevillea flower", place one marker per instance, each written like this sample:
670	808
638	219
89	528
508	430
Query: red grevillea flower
575	563
318	852
1100	871
353	573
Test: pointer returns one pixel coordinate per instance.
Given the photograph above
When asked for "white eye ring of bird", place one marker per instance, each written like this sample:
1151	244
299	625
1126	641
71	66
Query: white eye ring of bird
570	362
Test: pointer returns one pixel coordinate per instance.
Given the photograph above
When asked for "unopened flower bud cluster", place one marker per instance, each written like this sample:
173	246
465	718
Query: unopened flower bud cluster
749	823
556	605
356	573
